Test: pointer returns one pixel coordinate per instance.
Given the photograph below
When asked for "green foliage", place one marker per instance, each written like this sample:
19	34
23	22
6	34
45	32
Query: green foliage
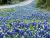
21	0
43	4
9	1
5	1
7	10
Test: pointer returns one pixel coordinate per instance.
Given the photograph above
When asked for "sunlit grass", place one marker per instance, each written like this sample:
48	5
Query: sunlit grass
9	21
8	10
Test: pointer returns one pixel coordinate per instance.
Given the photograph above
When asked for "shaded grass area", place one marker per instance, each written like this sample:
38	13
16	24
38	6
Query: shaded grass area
43	4
4	2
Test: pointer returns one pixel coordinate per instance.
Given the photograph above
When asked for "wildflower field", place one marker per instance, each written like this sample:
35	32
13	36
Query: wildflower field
25	22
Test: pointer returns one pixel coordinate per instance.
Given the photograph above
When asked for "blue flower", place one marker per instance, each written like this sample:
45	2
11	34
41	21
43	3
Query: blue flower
15	30
34	23
47	35
23	17
1	18
27	25
37	36
45	22
21	32
22	25
10	33
39	24
47	27
1	36
4	28
28	34
42	32
15	24
27	31
6	18
25	34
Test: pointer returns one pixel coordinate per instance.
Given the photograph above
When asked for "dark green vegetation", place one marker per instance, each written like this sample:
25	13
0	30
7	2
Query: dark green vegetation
43	4
5	2
2	2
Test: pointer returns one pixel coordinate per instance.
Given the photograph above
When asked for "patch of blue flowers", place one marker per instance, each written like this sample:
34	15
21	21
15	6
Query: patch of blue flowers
33	26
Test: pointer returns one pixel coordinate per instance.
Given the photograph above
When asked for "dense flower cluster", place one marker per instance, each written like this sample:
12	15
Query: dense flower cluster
34	26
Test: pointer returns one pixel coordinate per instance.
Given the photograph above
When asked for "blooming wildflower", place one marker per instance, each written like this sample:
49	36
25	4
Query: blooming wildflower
39	24
15	24
20	32
19	28
34	23
22	25
47	35
1	18
1	36
16	30
42	32
27	25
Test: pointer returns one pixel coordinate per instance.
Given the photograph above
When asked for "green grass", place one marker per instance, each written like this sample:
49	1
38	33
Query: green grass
8	10
9	21
49	21
31	27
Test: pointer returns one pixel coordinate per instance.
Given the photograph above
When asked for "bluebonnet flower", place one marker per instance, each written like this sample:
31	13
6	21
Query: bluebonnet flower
15	24
47	27
45	22
27	17
23	17
1	18
37	36
42	32
27	25
47	35
21	32
1	30
33	15
15	30
10	33
22	25
39	24
34	23
4	28
1	36
18	26
25	35
6	18
27	31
